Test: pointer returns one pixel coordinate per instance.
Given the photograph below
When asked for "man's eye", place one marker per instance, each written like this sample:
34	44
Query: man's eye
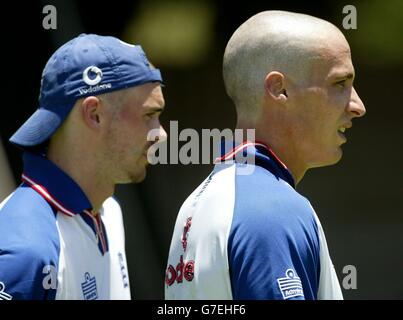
341	83
150	115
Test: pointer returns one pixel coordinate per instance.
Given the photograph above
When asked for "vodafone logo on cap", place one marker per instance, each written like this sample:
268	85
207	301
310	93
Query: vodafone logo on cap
94	70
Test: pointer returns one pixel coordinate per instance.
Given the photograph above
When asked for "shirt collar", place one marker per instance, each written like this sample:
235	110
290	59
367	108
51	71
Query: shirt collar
53	184
264	157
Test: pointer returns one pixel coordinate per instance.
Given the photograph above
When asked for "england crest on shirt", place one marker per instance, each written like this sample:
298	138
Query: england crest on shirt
89	287
291	285
4	295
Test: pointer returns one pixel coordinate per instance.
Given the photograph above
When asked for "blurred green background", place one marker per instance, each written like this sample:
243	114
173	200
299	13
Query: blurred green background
359	201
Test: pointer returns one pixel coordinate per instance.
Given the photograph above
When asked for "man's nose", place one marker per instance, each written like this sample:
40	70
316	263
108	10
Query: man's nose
163	135
355	105
157	134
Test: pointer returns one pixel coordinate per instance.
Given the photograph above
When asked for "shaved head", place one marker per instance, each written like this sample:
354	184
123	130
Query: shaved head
272	41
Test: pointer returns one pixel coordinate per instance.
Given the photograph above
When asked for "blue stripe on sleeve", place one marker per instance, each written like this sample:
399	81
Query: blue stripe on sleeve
273	231
29	246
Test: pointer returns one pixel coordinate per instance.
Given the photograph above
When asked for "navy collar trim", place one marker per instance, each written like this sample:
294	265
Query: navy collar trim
97	226
61	191
264	157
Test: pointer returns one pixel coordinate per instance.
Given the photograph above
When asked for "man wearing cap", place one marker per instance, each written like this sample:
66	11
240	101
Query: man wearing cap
61	230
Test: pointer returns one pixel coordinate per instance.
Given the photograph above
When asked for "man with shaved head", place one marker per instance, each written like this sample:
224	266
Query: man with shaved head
254	236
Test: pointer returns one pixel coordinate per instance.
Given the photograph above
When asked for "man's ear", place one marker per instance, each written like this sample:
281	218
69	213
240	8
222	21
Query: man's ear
274	85
90	111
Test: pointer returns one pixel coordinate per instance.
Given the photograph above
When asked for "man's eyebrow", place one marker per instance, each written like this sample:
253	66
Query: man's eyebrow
349	75
156	109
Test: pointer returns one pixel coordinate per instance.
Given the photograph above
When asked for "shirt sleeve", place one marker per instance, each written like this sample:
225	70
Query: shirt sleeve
29	248
273	249
26	275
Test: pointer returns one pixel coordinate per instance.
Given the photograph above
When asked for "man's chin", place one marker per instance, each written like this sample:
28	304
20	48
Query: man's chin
133	178
139	177
332	159
140	174
336	158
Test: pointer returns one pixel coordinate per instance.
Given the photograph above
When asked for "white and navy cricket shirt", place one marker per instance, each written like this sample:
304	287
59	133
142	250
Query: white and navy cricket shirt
51	247
246	233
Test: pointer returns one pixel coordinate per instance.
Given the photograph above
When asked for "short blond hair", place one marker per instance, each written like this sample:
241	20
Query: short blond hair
269	41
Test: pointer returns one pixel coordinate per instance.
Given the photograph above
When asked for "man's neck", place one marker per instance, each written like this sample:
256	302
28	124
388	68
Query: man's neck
86	175
285	151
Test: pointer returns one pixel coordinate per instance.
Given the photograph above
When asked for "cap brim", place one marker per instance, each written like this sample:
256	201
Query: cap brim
37	129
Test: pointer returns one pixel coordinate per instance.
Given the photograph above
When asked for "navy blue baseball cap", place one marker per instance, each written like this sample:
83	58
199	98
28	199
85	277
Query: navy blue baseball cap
87	65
